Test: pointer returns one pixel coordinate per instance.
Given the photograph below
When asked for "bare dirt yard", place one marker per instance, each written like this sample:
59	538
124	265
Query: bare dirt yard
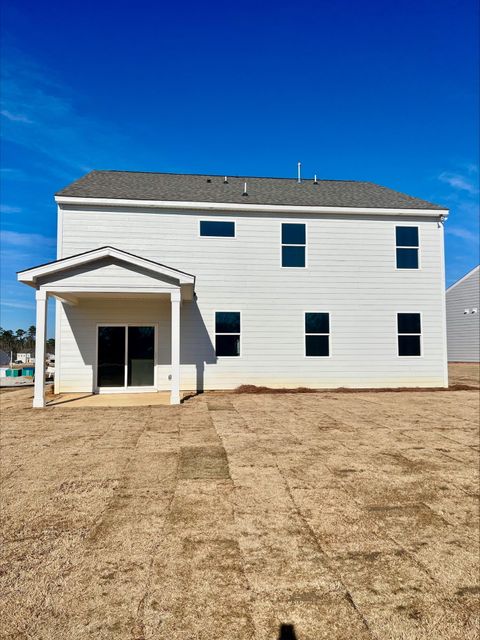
338	516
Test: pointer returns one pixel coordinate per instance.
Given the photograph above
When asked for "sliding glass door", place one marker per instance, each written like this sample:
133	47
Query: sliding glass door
126	356
111	357
141	355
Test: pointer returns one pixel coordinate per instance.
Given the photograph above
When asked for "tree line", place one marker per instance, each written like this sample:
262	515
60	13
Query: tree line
22	340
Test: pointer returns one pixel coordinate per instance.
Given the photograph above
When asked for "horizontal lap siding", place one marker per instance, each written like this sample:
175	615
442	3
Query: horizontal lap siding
351	274
79	331
463	330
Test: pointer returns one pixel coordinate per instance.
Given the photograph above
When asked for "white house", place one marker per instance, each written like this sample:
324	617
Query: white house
463	318
191	282
25	358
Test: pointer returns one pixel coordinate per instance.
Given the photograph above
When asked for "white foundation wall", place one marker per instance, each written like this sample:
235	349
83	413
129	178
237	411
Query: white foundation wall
350	274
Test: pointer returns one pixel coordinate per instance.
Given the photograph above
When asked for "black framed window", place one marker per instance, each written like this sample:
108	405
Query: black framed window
409	328
294	241
407	247
217	228
227	333
317	334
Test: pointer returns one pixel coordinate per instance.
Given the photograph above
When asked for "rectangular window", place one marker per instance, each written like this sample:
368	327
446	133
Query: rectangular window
317	334
227	333
407	247
217	228
409	328
294	242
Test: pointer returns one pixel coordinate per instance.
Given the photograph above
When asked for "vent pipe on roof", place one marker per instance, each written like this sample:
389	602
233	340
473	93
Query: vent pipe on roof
299	172
315	181
225	180
245	193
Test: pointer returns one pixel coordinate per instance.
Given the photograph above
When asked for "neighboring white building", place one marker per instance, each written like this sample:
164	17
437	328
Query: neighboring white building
24	358
184	282
463	318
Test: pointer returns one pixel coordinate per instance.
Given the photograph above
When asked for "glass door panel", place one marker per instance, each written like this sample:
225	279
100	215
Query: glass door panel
141	355
111	357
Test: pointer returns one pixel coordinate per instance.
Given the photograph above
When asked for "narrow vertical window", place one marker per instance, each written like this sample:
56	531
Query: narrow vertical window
227	333
293	245
409	327
317	334
407	247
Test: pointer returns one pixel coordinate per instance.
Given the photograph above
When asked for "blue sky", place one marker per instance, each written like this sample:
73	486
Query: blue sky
381	91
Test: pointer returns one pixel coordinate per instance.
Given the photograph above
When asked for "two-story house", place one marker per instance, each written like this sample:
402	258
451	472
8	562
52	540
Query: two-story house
191	282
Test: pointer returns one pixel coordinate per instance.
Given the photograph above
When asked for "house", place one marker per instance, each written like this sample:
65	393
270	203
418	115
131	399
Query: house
463	318
192	282
24	358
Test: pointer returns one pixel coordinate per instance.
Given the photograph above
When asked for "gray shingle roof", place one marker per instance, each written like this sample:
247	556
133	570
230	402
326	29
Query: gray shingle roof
205	188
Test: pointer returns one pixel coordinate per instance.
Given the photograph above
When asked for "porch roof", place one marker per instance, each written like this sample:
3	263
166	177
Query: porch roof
43	275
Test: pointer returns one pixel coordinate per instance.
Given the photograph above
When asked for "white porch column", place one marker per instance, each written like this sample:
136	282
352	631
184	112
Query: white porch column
40	337
175	303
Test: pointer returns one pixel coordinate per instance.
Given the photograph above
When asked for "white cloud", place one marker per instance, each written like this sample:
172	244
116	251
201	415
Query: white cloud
17	239
5	208
463	233
458	181
15	117
18	305
57	129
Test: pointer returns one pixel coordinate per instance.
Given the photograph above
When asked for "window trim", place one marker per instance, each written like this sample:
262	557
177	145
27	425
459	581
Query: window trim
294	245
215	311
419	257
305	334
204	219
419	313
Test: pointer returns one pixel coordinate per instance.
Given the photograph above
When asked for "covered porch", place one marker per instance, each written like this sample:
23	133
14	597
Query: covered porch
123	352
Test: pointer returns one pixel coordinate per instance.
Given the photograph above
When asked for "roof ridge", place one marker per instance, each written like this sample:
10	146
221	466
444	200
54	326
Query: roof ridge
222	175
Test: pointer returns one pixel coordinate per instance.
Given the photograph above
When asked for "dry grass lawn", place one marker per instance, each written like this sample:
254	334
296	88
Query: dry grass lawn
348	516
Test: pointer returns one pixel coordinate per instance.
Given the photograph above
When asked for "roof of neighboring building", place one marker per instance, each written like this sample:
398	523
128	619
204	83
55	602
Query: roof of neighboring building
129	185
463	278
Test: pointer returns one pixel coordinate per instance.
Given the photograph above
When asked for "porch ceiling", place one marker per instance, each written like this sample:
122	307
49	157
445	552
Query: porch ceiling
73	297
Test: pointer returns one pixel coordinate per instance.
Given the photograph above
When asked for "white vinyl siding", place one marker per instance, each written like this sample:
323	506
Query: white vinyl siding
350	273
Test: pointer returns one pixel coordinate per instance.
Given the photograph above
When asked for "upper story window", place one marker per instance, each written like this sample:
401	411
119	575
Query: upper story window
294	240
407	247
217	228
409	327
317	334
227	333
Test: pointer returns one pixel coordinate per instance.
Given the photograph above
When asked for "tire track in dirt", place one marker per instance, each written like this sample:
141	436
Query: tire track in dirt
311	573
196	586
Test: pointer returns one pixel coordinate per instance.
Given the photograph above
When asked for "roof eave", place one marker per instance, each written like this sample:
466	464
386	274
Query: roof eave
247	207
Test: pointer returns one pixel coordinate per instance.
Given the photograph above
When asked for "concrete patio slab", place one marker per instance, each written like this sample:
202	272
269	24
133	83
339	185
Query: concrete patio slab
82	400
